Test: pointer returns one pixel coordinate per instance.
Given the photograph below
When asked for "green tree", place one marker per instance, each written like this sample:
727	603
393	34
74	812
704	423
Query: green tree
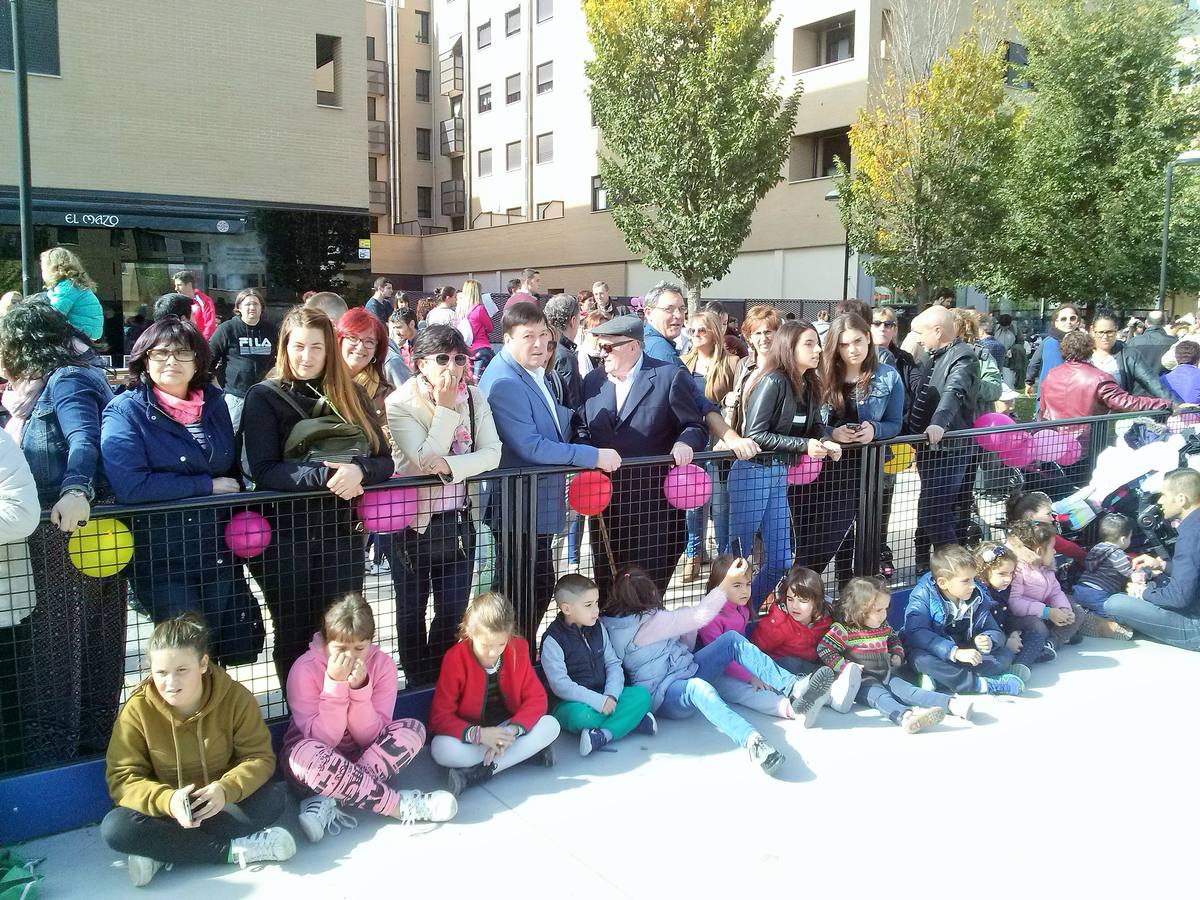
1085	192
695	125
922	200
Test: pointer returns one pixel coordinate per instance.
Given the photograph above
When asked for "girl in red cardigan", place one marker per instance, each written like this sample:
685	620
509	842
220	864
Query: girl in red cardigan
489	708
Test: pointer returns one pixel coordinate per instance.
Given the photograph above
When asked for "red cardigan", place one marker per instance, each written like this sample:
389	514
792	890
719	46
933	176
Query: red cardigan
778	634
462	686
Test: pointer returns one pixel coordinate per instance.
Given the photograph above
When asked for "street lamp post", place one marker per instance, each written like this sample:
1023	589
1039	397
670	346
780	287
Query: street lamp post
1187	158
834	196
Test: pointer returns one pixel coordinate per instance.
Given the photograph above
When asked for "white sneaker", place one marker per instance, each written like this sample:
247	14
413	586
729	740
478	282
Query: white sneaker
143	868
269	845
436	806
321	814
845	688
962	707
1021	671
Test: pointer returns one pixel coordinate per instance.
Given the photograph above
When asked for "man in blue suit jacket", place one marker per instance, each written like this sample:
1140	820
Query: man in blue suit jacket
640	406
535	430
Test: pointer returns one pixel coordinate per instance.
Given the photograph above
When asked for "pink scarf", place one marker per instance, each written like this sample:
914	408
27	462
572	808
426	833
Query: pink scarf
19	398
185	412
462	434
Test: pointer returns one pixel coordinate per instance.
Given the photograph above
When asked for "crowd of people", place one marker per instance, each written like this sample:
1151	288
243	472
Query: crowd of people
337	399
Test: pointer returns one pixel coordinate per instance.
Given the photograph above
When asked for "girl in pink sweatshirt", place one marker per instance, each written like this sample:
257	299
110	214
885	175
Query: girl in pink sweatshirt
1037	606
342	744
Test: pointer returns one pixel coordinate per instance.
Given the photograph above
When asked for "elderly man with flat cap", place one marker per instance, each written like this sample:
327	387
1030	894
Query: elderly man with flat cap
639	406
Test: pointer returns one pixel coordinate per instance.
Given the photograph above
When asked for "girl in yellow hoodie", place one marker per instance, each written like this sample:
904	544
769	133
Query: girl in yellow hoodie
188	745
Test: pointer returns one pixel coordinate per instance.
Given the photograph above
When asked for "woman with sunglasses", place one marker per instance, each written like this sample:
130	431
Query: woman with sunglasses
442	427
170	437
316	549
1048	355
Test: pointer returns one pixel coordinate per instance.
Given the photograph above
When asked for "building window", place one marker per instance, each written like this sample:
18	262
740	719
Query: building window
328	51
1017	58
599	194
483	35
814	155
485	98
512	88
545	10
372	110
512	156
372	168
422	27
545	77
423	85
545	147
823	43
424	203
512	22
370	47
485	163
424	143
41	36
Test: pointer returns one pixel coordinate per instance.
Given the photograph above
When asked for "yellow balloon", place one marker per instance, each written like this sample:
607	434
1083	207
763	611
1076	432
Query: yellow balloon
101	548
901	458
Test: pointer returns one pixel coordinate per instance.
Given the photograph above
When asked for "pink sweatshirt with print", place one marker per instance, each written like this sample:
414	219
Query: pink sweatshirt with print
731	618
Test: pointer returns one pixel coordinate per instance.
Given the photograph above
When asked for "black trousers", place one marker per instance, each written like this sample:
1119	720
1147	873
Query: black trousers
533	600
643	529
164	839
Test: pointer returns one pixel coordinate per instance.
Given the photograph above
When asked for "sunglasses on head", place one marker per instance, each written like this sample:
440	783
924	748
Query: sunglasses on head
609	348
460	359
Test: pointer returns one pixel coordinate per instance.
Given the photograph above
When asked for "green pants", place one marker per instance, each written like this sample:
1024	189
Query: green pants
632	707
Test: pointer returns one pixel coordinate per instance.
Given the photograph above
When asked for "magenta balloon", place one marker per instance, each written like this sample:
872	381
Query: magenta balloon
247	534
1018	455
805	471
392	509
1071	453
1049	445
687	487
992	441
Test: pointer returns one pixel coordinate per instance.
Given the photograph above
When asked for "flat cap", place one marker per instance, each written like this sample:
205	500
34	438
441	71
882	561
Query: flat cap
622	326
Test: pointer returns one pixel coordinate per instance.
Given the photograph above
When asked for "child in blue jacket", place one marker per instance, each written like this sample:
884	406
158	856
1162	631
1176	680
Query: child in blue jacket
950	634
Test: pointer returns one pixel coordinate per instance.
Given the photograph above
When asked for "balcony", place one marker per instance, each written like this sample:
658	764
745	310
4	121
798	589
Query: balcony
454	197
377	140
377	77
451	65
452	136
378	199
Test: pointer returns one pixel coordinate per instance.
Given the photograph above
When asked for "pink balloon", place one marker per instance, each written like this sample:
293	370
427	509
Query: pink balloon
995	442
1049	445
805	471
687	487
1070	454
247	534
1019	454
392	509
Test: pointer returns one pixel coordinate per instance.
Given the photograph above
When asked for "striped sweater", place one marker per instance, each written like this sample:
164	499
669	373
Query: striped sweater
871	648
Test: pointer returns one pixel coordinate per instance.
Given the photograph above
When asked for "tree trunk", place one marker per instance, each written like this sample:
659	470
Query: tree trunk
693	296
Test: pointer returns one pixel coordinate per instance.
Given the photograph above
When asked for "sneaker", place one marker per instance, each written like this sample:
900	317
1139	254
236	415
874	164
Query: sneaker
1005	684
919	718
1119	632
1049	652
458	780
436	806
1021	671
143	868
961	707
544	757
591	739
319	815
926	683
648	725
269	845
764	755
372	569
808	697
845	688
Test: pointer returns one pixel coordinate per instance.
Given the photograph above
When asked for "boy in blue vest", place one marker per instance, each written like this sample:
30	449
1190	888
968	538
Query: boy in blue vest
585	674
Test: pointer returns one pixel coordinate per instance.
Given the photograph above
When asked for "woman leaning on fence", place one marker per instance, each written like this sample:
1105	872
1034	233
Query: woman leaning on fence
71	678
170	438
309	427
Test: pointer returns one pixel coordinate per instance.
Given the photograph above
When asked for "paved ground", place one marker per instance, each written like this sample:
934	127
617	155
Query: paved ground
1087	786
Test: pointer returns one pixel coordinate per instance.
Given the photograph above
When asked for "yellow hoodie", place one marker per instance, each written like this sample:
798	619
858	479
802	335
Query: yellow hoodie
153	752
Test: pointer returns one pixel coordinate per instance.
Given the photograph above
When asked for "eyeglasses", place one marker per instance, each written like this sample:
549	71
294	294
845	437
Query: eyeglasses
1107	332
1068	318
700	329
365	342
442	359
160	355
609	348
884	323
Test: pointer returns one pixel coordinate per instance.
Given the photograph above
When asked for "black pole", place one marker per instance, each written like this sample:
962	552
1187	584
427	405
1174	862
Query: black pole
846	273
29	270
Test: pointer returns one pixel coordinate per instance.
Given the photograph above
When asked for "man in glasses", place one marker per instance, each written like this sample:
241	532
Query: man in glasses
639	406
1152	343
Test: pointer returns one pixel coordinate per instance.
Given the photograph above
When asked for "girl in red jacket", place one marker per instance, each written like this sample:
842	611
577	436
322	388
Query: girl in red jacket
489	708
793	627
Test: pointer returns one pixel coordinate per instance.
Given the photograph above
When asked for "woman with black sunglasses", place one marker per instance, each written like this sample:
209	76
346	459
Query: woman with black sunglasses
442	427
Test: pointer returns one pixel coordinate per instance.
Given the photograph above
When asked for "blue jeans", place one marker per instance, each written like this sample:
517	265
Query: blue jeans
962	679
897	697
686	696
1164	625
1090	597
718	507
758	502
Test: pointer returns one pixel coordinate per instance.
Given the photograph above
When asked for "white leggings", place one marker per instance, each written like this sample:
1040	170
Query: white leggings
768	702
455	754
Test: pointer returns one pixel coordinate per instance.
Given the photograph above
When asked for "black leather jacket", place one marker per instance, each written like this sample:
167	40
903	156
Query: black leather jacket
1135	376
775	421
945	388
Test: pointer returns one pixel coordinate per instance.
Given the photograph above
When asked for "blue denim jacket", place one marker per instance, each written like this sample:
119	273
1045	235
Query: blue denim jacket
883	406
61	440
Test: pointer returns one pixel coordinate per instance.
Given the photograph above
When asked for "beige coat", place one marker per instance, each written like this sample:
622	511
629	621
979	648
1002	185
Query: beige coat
419	428
19	515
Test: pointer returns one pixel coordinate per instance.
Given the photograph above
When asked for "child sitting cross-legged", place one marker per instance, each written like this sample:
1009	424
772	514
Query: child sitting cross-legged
862	636
489	708
949	631
585	673
342	745
1107	570
997	565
